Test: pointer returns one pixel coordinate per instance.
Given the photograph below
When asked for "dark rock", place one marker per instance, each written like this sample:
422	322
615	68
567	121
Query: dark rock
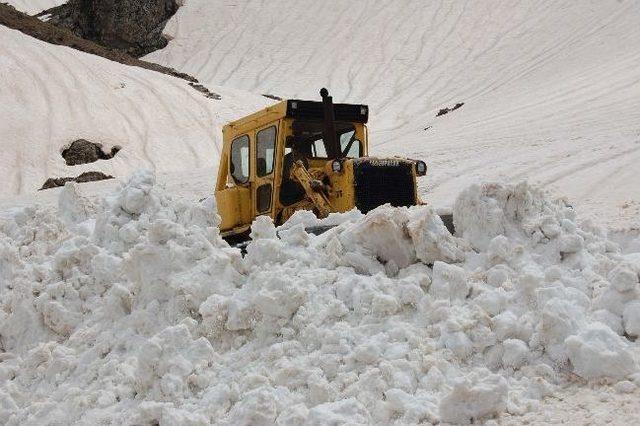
84	177
131	26
274	97
82	151
206	92
444	111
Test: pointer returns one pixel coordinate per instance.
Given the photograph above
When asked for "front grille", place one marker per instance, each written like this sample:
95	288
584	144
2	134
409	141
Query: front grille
379	182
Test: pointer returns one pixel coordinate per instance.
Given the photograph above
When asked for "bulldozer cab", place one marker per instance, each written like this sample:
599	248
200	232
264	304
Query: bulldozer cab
309	155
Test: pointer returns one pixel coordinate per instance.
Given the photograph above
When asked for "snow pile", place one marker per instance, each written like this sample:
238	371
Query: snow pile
135	311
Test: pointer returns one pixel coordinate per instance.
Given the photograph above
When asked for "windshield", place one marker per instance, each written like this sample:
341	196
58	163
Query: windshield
307	136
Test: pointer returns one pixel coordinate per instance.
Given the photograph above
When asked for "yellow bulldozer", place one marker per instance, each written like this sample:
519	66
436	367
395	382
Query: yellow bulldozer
306	155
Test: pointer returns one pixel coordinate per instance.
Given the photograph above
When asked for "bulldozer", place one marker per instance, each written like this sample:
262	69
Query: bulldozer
306	155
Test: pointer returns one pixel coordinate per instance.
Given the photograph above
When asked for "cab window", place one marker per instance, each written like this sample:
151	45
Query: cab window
349	145
318	150
239	166
265	147
310	133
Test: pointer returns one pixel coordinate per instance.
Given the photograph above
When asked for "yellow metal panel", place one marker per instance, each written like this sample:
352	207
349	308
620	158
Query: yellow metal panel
254	121
234	207
342	196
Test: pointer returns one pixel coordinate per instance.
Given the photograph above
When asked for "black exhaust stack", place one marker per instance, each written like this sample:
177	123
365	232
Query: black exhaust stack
329	131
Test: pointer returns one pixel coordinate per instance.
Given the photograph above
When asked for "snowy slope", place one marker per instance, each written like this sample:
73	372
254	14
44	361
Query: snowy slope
130	309
33	7
551	88
53	95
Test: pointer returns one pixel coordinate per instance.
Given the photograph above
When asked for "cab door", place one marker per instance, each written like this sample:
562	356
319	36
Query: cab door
265	160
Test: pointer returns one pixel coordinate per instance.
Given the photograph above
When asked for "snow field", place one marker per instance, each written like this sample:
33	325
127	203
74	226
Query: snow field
551	87
133	310
53	95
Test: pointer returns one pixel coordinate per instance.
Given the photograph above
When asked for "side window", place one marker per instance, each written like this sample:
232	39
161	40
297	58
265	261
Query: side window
263	198
240	159
349	145
265	147
318	150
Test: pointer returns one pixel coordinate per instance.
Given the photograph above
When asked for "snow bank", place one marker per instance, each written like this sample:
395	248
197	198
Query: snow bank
135	311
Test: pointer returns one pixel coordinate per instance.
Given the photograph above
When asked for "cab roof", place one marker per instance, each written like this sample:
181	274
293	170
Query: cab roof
301	109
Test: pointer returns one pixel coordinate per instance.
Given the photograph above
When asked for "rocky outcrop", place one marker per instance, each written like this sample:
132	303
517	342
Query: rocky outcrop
131	26
444	111
45	31
84	177
82	151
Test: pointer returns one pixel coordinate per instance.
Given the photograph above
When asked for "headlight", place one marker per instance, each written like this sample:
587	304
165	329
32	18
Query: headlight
421	168
336	166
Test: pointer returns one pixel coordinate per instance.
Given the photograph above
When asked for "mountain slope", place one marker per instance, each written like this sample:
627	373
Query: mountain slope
551	89
55	95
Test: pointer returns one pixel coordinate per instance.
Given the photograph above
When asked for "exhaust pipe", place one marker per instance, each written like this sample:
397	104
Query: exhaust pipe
329	131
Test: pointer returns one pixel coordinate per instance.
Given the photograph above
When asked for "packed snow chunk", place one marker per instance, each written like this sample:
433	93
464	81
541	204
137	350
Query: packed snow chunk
623	277
570	243
560	319
483	212
515	353
346	411
454	338
477	217
613	300
71	206
478	396
257	407
449	282
263	228
275	294
611	320
431	238
631	318
597	353
135	196
499	250
382	235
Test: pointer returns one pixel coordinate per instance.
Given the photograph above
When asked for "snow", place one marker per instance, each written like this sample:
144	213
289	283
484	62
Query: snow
120	303
481	395
132	309
599	352
54	95
33	7
550	88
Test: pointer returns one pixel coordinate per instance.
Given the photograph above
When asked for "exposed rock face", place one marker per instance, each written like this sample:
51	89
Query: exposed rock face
82	151
444	111
84	177
131	26
59	35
